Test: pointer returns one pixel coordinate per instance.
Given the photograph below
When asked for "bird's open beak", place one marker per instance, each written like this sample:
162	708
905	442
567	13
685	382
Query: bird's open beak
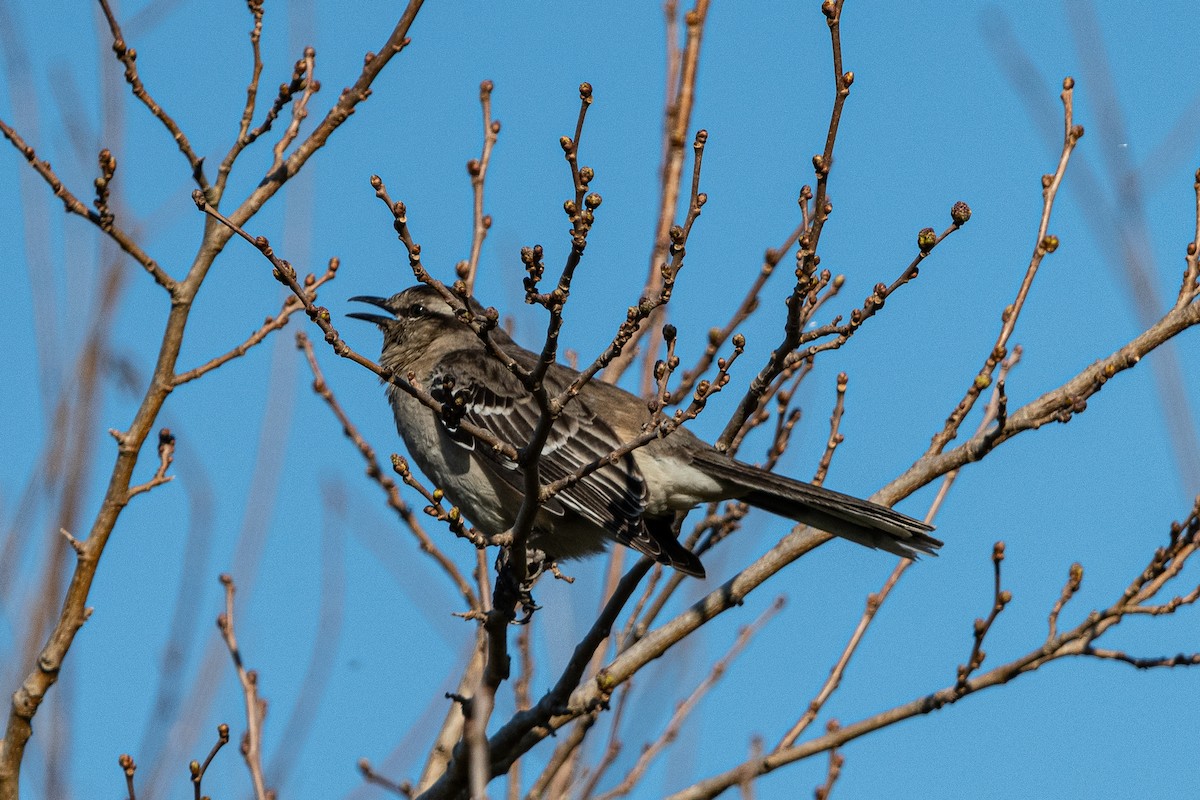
377	319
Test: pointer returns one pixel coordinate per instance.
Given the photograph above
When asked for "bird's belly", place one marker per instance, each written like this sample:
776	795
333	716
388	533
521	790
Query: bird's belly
485	502
676	486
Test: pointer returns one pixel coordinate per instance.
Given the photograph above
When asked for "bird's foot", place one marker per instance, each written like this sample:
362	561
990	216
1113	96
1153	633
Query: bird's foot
521	592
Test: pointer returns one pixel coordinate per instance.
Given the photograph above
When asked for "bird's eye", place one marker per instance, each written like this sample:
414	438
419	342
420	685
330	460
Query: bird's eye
415	310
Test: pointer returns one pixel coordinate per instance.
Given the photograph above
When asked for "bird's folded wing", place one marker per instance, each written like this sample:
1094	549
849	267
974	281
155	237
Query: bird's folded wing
612	497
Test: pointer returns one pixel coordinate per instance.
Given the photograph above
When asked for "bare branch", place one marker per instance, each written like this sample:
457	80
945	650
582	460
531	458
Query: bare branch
199	769
477	168
400	789
681	99
685	708
128	56
1045	244
128	767
1164	565
256	707
166	454
73	205
376	474
290	305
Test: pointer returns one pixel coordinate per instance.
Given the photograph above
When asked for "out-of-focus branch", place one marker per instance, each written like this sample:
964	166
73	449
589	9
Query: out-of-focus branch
611	750
451	730
400	789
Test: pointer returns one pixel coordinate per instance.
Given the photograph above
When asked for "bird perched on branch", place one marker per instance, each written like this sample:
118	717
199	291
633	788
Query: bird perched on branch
632	501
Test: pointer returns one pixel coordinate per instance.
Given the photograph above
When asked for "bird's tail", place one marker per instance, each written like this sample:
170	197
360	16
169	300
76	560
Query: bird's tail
860	521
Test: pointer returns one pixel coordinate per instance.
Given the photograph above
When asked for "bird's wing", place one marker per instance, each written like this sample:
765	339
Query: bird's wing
612	497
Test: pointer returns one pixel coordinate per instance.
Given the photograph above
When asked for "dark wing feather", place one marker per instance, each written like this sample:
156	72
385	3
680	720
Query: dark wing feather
613	497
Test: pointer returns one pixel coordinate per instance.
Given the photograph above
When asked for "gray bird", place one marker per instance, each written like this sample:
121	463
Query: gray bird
632	501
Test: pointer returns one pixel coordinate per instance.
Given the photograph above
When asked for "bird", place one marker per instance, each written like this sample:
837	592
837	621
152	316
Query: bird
632	501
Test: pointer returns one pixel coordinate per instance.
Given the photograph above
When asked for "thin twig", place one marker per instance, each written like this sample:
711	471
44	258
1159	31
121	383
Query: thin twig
166	455
128	56
1074	580
1000	599
834	771
290	306
835	437
256	707
74	205
651	750
376	474
1164	565
308	87
128	767
477	169
198	769
1045	244
681	99
1189	289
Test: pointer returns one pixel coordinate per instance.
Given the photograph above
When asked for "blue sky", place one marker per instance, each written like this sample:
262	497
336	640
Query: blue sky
950	102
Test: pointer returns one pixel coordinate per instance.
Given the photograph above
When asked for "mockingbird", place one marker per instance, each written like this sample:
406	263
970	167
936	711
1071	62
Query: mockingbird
632	501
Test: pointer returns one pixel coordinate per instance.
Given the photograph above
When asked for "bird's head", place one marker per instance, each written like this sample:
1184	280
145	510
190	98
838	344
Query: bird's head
415	319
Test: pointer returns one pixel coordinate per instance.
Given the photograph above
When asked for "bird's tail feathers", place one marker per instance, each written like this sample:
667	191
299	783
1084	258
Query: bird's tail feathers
860	521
